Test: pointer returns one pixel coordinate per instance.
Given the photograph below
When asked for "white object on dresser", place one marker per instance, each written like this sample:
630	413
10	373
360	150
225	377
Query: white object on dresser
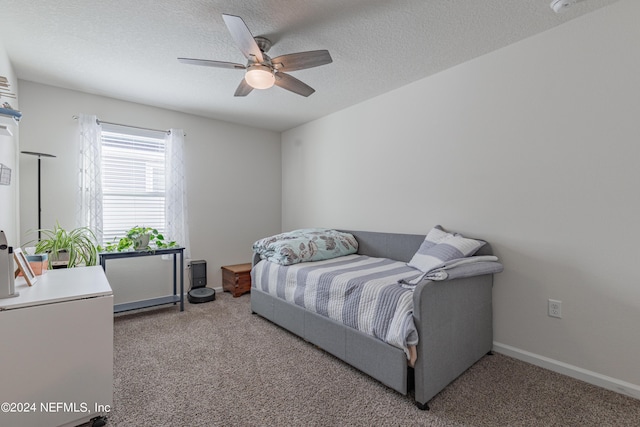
7	284
56	349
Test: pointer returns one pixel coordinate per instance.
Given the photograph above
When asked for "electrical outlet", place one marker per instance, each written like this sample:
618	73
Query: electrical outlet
555	308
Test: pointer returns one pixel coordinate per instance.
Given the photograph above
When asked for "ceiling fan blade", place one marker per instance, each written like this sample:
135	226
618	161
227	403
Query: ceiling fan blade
243	37
208	63
243	88
302	60
292	84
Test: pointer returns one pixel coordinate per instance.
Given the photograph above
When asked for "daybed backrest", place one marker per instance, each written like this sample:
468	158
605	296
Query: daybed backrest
400	247
397	246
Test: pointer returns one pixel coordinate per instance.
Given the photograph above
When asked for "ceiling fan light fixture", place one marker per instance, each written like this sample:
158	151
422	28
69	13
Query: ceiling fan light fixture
260	77
260	70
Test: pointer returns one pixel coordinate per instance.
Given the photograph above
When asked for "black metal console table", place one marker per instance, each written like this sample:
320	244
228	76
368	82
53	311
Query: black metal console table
170	299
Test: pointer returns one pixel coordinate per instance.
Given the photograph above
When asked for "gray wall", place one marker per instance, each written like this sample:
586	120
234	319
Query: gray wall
223	161
533	147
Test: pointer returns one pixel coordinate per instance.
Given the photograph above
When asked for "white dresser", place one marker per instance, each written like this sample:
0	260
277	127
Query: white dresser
56	349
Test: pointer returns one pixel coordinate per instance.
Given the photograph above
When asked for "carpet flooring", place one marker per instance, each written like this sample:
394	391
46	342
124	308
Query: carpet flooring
216	364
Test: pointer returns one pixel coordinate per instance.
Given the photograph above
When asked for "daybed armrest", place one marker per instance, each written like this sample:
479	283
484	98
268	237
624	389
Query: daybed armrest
256	259
454	322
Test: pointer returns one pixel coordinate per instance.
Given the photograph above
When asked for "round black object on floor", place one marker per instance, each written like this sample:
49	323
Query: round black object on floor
199	295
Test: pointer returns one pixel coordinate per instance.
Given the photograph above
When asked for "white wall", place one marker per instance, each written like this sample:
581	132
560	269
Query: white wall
233	178
533	147
9	220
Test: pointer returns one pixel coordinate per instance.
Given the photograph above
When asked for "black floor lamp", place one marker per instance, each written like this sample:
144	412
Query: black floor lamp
40	156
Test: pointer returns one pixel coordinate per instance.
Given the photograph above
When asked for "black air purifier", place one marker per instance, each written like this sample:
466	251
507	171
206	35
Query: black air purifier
198	278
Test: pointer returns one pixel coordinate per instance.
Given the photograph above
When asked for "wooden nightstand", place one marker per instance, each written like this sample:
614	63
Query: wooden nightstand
236	278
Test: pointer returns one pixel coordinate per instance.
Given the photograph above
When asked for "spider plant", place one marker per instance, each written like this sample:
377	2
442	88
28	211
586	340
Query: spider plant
79	244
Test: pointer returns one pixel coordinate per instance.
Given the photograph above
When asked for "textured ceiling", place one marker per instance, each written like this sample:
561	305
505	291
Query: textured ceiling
127	49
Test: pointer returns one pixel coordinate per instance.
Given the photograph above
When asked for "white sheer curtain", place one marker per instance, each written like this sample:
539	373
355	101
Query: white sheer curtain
176	191
89	189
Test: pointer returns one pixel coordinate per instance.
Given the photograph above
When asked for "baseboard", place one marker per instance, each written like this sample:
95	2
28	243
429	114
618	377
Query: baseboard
619	386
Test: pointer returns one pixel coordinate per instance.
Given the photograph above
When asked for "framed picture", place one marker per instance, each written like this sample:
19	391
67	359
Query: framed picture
24	266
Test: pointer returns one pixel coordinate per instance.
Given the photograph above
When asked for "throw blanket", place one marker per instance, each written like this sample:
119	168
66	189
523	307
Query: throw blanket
458	268
359	291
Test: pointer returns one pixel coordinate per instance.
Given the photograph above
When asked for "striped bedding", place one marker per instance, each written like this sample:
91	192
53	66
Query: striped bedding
357	290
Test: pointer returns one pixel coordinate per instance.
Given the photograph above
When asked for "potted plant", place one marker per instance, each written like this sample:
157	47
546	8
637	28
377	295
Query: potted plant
68	248
138	239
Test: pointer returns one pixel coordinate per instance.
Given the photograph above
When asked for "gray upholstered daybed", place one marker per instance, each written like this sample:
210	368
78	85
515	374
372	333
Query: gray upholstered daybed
453	319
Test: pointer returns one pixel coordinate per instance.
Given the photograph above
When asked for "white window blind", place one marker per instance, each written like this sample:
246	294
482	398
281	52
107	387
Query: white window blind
133	181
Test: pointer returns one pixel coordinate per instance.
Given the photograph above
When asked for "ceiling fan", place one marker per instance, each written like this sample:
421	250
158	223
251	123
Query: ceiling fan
262	72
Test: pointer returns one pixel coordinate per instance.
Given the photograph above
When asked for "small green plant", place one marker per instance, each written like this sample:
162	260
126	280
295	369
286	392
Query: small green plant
79	244
138	239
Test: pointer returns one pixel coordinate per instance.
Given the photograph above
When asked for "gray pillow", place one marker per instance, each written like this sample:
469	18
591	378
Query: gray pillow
439	247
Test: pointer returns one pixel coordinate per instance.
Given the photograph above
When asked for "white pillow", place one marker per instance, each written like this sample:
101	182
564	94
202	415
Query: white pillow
439	247
434	236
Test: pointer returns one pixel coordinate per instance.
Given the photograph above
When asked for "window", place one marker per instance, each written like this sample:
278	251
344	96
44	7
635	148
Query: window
133	181
130	176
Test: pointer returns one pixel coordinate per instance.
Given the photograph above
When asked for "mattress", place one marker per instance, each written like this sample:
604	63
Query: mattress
358	291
